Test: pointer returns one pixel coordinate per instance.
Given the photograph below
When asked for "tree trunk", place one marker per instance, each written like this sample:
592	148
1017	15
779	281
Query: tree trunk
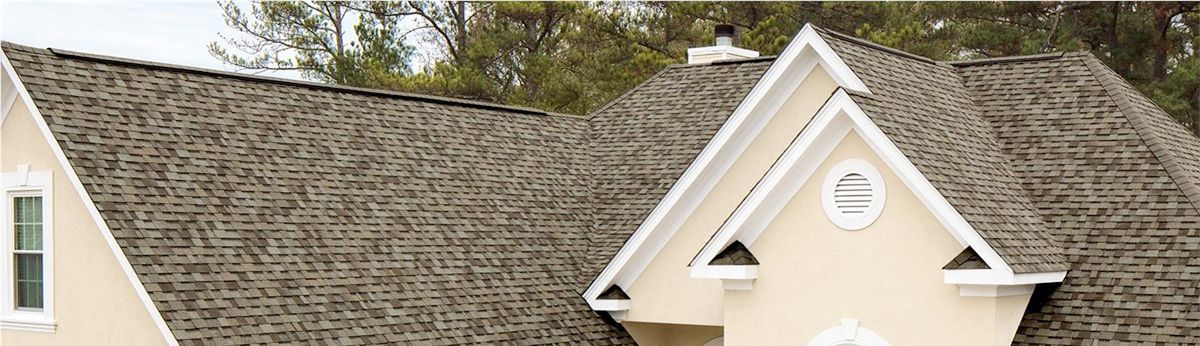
1163	14
1196	112
460	22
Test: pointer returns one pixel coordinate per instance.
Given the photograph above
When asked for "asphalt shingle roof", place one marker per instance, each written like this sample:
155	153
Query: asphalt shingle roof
1096	158
734	254
263	212
967	259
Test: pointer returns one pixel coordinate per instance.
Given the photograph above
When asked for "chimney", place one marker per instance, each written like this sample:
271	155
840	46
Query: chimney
722	48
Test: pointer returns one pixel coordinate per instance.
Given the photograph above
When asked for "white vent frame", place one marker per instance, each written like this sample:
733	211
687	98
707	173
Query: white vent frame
829	187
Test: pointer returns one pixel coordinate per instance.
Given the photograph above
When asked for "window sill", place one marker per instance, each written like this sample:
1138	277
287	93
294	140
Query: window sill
25	324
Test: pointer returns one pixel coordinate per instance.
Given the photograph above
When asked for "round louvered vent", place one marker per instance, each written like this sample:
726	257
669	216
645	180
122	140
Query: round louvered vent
853	194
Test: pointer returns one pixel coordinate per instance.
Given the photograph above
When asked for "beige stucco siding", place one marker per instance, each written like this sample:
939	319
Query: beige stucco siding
888	275
664	292
95	303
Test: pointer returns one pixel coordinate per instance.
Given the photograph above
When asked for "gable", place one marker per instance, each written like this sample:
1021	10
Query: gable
806	53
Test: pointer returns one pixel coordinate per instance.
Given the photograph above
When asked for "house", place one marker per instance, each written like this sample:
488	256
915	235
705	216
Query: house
841	193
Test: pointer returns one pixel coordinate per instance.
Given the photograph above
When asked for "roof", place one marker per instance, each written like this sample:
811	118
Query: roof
1114	177
967	259
735	254
265	211
614	292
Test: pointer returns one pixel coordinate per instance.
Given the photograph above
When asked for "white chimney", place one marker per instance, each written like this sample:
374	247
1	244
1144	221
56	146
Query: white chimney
722	49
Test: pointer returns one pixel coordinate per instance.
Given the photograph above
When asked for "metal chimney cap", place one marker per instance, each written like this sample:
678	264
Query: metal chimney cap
724	30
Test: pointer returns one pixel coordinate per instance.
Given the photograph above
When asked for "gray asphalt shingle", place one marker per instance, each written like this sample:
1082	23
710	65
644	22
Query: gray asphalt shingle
261	212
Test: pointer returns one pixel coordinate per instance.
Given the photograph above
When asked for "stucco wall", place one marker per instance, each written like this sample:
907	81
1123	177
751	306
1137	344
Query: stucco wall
664	292
95	303
656	334
888	275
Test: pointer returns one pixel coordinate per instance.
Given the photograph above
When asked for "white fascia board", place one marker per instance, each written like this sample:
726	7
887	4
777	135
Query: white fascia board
123	261
610	304
717	53
8	95
995	277
833	121
735	272
994	290
803	54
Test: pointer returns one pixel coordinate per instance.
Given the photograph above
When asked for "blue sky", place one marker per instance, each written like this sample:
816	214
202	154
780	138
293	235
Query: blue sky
166	31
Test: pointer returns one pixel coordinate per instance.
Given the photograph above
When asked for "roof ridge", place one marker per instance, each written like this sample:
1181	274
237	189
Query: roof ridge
1006	59
725	62
868	44
276	80
1141	126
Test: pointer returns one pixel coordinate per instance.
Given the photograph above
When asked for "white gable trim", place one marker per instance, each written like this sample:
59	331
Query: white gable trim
833	122
790	68
23	93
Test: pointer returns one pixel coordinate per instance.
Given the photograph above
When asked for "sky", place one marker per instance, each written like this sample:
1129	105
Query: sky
175	32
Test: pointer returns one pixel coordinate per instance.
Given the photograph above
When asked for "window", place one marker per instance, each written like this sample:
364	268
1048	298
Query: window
28	252
28	295
853	194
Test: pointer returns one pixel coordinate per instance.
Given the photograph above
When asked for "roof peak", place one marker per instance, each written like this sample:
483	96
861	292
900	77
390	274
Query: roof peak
69	54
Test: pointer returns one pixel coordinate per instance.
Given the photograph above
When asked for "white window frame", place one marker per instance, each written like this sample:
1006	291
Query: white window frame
24	183
848	333
878	191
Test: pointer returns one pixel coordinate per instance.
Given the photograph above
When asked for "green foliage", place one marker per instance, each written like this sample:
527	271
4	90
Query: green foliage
574	57
315	39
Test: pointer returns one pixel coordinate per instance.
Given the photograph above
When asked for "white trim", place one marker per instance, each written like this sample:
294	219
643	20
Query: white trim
877	200
610	304
8	96
726	272
22	183
994	277
26	325
802	55
848	332
836	118
122	260
733	277
702	55
737	284
994	290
